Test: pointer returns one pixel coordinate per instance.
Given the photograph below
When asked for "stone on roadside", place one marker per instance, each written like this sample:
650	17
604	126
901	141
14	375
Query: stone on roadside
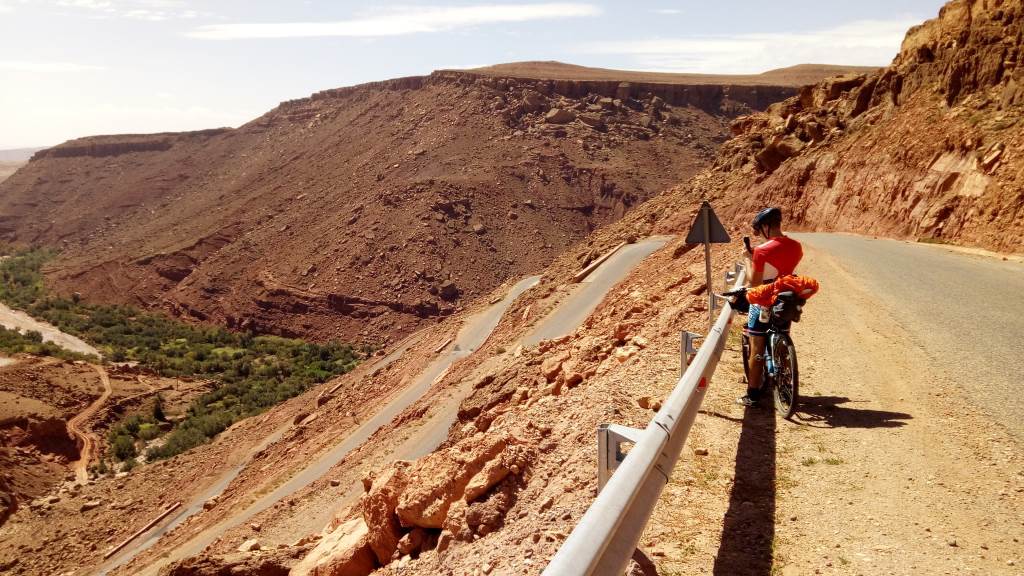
625	353
552	366
343	551
559	116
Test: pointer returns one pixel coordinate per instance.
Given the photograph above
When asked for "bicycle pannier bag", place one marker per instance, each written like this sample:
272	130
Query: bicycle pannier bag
788	307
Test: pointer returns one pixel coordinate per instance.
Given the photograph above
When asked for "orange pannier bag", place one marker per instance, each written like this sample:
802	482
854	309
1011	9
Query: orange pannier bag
765	295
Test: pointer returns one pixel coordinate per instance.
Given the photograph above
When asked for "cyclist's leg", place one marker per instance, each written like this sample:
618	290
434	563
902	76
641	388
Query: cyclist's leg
756	362
756	331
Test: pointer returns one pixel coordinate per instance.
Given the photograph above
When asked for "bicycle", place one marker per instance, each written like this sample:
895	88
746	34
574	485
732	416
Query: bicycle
781	374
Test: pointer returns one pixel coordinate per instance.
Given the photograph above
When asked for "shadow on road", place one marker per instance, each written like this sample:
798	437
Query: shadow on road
749	527
828	412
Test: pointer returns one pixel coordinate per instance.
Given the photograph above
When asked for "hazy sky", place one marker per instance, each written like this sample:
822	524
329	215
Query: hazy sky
71	68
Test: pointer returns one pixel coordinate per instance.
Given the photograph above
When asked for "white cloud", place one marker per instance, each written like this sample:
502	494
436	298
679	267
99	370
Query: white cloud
667	11
401	20
45	66
151	10
867	42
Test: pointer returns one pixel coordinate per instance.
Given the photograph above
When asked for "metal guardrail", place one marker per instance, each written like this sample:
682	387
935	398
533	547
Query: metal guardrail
605	538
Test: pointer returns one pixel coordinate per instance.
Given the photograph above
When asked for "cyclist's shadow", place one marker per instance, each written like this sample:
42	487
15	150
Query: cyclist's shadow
748	533
829	412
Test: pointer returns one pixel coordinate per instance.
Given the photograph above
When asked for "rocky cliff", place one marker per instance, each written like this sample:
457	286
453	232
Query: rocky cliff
927	148
360	212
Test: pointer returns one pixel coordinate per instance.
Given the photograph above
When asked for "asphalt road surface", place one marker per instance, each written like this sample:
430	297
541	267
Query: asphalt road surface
966	311
591	291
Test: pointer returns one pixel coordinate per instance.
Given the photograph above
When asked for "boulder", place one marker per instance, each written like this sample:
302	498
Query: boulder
559	116
625	353
592	120
493	472
449	291
552	365
532	101
379	504
249	545
343	552
442	478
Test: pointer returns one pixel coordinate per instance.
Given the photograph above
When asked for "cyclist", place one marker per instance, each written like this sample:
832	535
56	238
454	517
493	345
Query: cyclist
778	256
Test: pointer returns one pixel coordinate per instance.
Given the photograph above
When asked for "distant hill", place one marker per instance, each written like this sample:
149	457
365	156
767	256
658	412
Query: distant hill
795	76
363	212
21	155
11	160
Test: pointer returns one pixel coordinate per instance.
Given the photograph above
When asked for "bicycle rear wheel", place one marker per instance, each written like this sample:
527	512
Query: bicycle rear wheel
787	375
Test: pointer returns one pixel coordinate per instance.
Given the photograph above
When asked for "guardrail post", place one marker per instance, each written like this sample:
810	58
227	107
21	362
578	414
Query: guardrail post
610	438
686	349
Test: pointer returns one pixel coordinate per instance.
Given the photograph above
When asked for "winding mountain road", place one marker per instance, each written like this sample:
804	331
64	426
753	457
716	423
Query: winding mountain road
592	290
564	319
472	334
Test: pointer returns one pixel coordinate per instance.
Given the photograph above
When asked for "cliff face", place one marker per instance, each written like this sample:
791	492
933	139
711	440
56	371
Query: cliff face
929	147
359	213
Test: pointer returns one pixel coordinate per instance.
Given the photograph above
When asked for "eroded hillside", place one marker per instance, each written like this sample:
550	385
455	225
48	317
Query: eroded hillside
928	148
360	212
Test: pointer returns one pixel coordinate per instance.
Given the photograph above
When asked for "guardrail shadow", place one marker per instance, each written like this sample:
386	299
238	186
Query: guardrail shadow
749	527
828	412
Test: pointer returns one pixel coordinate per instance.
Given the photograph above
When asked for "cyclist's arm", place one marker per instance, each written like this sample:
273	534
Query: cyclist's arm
756	268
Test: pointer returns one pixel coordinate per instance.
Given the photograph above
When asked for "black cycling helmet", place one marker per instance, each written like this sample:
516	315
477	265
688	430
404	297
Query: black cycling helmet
767	218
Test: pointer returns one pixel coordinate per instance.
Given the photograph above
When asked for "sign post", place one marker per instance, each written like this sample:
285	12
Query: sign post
707	229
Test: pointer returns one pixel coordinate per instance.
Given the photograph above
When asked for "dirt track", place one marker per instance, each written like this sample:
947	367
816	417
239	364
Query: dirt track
85	438
887	469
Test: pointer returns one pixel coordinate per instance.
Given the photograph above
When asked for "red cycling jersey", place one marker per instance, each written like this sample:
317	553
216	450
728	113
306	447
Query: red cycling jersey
777	257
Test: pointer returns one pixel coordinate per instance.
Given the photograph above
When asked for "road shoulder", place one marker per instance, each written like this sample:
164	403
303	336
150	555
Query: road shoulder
887	469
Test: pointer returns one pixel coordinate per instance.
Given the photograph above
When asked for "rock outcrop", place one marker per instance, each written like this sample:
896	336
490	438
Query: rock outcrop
460	493
927	148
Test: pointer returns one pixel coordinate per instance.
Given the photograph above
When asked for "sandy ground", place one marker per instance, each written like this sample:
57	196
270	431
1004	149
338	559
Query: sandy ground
16	319
888	468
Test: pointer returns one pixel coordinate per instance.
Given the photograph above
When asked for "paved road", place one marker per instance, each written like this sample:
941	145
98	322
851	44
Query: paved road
473	333
966	311
591	291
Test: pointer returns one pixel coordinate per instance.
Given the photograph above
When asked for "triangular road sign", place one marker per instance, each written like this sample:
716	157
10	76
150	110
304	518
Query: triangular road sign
714	232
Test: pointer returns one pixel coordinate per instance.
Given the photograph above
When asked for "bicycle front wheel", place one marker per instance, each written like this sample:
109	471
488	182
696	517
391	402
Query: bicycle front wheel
787	375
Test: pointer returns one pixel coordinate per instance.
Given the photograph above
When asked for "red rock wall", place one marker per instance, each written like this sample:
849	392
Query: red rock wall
930	147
